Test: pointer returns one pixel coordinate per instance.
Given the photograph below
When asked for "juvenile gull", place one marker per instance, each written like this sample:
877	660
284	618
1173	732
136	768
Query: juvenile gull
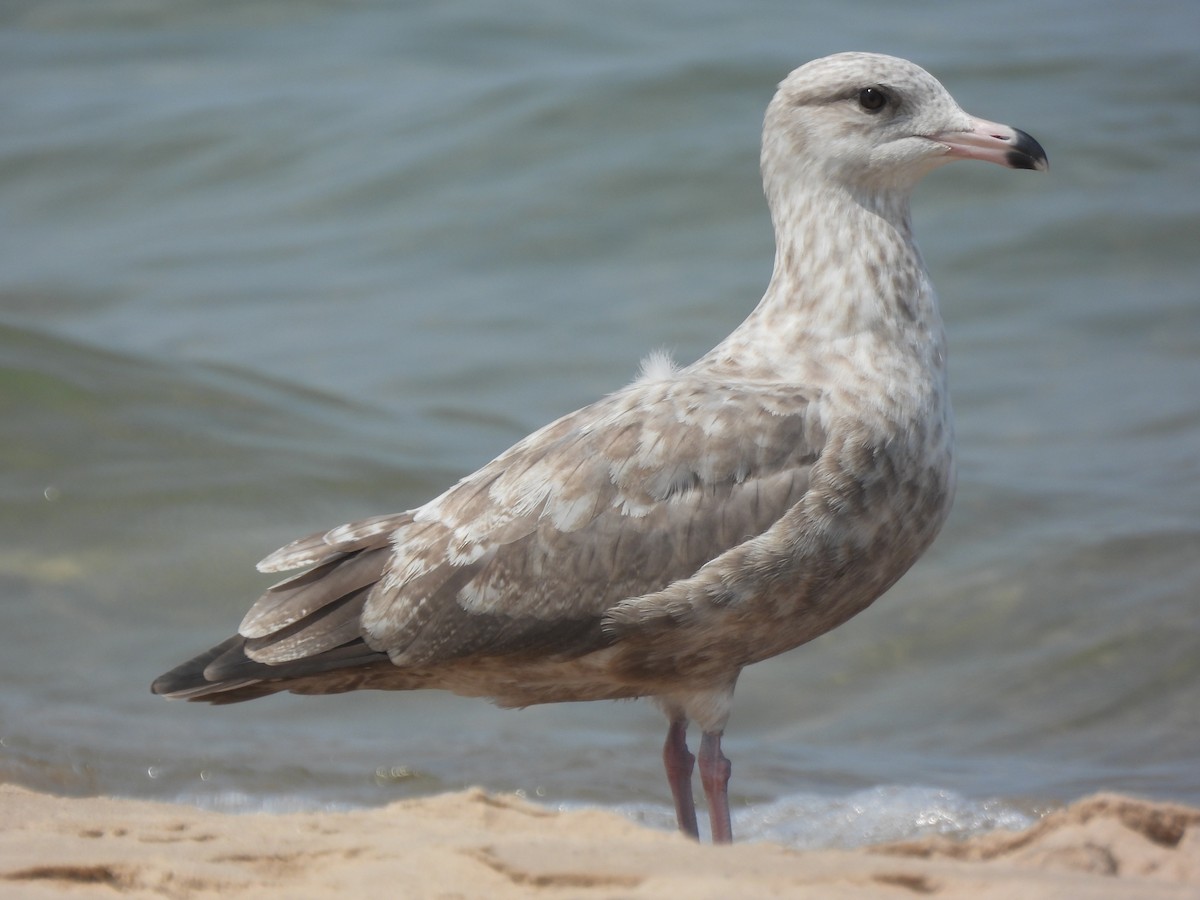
699	520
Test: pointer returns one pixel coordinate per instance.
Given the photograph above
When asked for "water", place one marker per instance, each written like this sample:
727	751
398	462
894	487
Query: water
267	267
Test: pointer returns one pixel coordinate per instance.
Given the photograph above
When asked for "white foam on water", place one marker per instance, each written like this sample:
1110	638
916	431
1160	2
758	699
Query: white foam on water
872	816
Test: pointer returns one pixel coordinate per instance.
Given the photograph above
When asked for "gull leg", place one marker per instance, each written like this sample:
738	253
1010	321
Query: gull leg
679	762
714	775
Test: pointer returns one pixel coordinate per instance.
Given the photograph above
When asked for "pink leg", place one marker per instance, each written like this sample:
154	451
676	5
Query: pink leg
714	775
678	763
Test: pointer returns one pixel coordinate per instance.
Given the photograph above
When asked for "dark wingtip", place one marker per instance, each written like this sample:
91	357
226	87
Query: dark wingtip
188	677
1027	153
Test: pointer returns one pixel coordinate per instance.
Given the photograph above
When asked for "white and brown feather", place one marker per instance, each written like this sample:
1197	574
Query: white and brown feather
701	519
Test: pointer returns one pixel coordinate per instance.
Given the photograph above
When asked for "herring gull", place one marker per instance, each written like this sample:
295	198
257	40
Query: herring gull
703	518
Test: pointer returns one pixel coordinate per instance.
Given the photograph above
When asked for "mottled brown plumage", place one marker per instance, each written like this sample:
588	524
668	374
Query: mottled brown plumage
699	520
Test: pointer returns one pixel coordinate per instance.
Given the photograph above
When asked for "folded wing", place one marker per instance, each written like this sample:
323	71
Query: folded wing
525	556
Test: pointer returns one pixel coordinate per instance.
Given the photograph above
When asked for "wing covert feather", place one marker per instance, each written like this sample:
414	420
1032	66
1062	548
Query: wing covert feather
616	500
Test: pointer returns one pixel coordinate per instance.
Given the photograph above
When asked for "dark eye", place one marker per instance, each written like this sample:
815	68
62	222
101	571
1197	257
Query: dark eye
872	99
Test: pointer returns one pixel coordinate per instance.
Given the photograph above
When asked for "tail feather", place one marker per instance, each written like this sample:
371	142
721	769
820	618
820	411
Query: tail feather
303	633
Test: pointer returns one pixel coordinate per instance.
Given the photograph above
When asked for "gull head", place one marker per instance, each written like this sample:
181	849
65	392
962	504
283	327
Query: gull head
876	124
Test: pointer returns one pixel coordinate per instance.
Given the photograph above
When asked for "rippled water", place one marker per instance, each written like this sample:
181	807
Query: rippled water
268	267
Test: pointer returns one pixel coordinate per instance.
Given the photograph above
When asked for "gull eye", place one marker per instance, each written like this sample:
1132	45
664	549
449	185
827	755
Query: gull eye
872	99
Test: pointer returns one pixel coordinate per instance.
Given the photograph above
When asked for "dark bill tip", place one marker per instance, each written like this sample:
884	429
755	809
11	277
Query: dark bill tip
1026	153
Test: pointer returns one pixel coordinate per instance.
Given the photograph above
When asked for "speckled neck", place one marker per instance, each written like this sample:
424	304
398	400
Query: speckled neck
846	269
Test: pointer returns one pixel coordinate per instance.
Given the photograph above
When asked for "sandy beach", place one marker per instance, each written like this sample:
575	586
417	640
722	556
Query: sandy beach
474	844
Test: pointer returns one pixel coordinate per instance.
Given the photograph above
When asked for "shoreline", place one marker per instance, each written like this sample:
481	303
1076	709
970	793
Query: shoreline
475	844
